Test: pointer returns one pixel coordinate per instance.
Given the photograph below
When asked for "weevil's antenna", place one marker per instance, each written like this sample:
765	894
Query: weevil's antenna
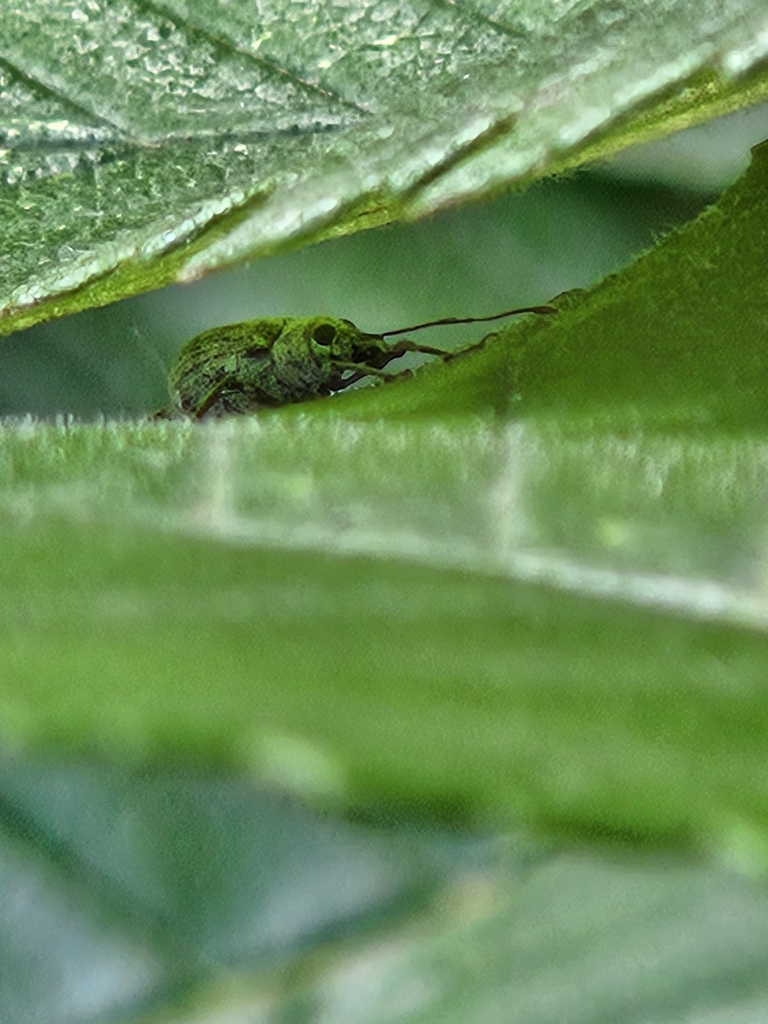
544	310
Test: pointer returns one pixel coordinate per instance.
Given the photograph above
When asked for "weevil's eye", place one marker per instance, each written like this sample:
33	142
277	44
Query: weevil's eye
324	334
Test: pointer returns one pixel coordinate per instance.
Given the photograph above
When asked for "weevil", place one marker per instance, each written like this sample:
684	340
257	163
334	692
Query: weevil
273	361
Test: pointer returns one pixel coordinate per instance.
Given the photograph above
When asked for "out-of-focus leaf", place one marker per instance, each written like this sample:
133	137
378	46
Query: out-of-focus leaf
525	649
65	956
232	876
578	942
149	143
121	889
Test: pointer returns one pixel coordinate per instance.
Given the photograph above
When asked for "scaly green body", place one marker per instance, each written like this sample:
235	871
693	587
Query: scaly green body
276	360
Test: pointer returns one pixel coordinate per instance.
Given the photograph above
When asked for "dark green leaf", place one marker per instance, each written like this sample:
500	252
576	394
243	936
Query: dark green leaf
151	143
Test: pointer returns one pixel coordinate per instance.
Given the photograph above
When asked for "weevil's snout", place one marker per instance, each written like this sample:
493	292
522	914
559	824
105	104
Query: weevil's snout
372	350
379	357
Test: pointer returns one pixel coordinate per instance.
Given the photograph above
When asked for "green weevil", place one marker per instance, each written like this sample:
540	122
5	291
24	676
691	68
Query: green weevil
273	361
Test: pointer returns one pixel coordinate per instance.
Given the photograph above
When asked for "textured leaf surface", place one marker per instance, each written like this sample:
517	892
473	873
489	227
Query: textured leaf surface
150	142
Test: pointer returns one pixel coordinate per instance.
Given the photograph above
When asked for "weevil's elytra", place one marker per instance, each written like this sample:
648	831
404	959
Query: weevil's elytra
274	361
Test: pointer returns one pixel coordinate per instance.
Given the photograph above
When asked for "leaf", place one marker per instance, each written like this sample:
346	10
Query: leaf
675	339
550	617
147	144
178	591
504	689
204	900
575	940
122	891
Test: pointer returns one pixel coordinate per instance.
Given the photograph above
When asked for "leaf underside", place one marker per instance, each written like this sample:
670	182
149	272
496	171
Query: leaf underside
150	143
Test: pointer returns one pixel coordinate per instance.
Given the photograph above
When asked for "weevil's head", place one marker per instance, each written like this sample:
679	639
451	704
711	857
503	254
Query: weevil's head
332	339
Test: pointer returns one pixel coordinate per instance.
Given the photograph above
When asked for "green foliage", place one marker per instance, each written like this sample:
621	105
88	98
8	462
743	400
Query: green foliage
149	146
675	338
307	666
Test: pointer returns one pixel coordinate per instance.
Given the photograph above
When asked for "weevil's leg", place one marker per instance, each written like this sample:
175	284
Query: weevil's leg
400	375
211	397
360	368
359	373
171	413
339	383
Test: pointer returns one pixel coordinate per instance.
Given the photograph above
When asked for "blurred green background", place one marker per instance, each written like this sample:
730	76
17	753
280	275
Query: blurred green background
519	249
